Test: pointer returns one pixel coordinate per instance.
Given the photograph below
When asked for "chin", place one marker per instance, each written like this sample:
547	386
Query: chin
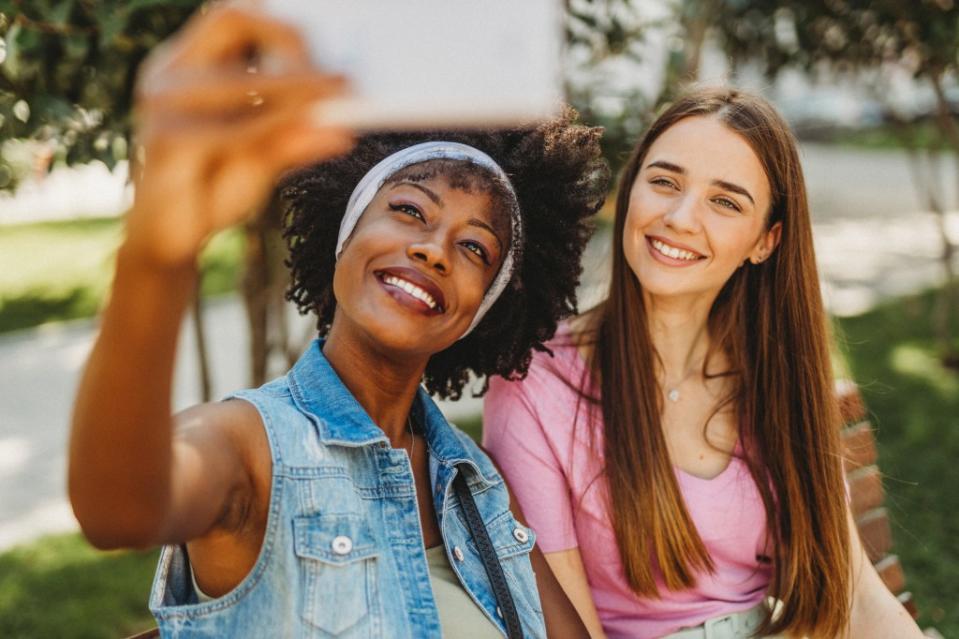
398	334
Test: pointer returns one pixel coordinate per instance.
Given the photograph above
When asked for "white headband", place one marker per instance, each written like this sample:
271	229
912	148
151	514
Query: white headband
369	186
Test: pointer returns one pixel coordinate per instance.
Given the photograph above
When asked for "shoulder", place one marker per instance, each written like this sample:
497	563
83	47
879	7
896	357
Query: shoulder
558	369
232	422
476	453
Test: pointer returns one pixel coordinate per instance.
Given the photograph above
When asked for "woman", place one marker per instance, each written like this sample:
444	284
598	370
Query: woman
680	449
336	500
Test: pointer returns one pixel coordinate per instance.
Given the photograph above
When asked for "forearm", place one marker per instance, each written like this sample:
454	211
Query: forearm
877	613
120	447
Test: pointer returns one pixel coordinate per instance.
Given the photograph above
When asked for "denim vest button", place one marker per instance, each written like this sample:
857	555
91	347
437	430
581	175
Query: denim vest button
342	545
457	553
521	535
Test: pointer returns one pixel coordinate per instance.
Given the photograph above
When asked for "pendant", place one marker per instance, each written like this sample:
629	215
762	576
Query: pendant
673	395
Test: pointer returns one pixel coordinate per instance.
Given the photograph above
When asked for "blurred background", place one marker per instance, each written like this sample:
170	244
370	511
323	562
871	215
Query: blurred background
871	89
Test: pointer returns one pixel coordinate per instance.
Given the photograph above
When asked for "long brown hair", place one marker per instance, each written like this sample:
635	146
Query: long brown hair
769	322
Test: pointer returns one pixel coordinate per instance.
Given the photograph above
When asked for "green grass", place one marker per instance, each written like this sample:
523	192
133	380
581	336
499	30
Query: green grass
914	403
57	271
883	137
60	587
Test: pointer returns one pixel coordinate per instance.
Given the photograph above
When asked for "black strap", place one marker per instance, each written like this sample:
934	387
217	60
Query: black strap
497	579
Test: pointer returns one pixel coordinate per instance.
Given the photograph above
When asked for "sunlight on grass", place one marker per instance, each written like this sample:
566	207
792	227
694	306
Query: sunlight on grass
62	270
925	366
60	587
914	403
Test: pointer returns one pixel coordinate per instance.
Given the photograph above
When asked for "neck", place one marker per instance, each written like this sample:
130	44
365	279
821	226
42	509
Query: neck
383	383
679	331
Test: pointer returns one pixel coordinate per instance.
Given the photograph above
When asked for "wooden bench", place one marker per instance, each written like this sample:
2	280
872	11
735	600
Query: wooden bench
867	496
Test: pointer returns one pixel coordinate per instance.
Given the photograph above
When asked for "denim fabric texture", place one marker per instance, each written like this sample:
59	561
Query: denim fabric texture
343	554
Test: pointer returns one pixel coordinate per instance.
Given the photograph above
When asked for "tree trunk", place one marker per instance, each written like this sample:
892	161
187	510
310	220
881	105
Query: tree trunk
256	299
948	303
199	334
696	22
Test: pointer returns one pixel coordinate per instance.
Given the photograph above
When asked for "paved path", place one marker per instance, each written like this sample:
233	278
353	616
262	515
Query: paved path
871	244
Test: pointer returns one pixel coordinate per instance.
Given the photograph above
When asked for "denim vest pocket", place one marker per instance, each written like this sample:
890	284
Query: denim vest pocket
338	562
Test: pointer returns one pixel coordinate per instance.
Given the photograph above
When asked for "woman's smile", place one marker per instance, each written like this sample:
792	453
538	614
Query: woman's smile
671	253
412	290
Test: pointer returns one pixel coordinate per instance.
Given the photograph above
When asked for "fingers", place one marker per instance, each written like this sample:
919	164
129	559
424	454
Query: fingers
228	36
229	31
227	94
291	136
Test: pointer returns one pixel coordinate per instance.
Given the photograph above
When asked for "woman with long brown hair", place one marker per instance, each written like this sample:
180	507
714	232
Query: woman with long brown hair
677	450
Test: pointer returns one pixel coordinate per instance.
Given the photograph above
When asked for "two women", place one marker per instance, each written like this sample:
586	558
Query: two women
678	453
335	500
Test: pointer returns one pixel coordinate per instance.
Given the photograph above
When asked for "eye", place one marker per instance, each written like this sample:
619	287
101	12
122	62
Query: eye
664	182
408	209
727	203
478	250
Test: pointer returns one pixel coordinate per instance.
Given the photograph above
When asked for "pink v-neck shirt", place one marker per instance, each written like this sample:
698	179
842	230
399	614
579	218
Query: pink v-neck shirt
530	429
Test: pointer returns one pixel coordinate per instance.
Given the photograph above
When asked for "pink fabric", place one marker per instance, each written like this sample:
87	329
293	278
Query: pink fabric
529	428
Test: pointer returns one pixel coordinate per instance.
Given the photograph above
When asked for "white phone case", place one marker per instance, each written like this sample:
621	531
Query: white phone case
432	63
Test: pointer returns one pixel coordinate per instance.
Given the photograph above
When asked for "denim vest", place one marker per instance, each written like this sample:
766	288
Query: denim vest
342	553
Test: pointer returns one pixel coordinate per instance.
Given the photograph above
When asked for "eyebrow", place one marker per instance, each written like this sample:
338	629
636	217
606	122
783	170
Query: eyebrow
729	186
483	225
439	202
429	192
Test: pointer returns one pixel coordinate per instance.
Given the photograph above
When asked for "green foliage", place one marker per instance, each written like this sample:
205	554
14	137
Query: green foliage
68	70
922	35
914	402
60	587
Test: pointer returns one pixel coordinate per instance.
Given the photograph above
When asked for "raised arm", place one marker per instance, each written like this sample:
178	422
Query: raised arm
222	109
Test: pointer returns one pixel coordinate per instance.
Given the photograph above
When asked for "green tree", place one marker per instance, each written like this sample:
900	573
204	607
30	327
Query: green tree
868	40
67	73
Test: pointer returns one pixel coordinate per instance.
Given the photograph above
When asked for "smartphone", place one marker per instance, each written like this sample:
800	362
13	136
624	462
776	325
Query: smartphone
434	63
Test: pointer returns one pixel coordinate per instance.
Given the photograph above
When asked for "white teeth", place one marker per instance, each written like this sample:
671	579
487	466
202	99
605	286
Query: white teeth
673	252
411	289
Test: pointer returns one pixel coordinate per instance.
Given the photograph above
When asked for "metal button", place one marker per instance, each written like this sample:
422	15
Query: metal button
457	553
342	545
521	535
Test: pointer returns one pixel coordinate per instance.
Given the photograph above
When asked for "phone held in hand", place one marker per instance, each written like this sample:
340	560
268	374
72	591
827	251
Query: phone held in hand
434	63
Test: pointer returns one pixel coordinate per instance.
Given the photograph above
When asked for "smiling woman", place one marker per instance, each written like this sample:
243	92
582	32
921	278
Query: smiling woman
553	174
688	422
336	500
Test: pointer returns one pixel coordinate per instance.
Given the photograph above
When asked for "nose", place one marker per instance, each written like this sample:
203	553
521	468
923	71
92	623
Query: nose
683	216
429	253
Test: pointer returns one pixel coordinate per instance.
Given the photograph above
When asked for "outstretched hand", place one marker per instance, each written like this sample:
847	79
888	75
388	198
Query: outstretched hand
222	109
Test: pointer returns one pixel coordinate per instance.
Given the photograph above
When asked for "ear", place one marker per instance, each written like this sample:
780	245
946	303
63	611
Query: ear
766	244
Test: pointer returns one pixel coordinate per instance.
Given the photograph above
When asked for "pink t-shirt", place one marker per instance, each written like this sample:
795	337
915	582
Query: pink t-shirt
529	428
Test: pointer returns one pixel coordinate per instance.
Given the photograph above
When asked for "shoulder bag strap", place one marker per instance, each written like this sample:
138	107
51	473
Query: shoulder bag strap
497	578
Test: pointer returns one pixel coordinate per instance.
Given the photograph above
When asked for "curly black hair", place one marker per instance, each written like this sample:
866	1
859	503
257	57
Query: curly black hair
560	180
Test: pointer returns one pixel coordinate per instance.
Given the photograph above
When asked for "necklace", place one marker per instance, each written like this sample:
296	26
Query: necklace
409	423
672	391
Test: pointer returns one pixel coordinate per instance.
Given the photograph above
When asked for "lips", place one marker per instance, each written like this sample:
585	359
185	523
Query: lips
412	288
672	252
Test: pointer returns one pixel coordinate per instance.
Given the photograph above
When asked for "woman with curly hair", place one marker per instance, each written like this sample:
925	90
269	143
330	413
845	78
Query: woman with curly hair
685	435
336	500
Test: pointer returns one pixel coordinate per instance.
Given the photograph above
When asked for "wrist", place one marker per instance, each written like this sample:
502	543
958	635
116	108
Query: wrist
146	273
